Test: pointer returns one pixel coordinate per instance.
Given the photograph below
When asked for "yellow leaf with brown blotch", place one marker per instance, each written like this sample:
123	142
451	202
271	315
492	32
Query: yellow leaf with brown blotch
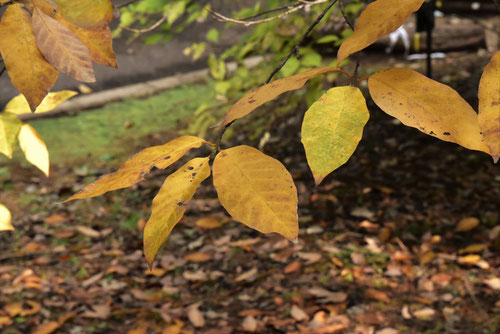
86	13
170	203
378	19
61	47
427	105
5	219
139	165
332	129
256	190
10	126
489	106
19	105
30	73
257	97
34	148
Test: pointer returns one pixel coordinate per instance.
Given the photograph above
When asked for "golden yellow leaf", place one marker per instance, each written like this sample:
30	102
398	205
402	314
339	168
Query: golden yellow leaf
256	190
378	19
10	126
139	165
5	219
86	13
467	224
99	42
257	97
61	47
170	203
489	106
427	105
19	105
332	129
34	148
469	259
30	73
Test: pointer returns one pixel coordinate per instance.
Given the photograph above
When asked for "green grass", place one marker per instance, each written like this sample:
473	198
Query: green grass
102	134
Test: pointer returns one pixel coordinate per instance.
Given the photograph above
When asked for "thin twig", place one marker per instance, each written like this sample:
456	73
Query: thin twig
249	22
3	70
351	25
297	46
154	26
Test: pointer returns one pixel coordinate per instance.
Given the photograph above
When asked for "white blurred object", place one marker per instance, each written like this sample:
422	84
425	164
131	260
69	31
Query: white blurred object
438	13
434	55
402	34
475	5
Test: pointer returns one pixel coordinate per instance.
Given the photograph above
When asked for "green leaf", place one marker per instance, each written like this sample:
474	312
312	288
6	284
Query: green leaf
213	35
170	203
332	129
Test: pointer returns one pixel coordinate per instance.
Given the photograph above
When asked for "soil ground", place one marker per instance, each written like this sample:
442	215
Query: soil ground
379	249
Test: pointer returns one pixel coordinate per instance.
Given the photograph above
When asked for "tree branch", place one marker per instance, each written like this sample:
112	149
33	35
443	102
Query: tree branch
351	25
294	50
297	46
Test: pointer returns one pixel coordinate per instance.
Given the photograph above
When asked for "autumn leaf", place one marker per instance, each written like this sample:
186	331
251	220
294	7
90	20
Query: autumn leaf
5	219
257	97
19	105
489	106
139	165
170	203
378	19
34	148
99	42
427	105
61	47
256	190
332	129
10	126
30	73
86	13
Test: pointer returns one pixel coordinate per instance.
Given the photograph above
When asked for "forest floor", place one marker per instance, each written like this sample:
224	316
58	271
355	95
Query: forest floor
404	238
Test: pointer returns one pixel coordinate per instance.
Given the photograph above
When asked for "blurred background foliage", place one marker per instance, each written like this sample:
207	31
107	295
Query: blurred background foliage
271	40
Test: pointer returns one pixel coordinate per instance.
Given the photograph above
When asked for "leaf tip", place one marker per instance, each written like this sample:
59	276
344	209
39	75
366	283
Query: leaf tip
495	157
295	241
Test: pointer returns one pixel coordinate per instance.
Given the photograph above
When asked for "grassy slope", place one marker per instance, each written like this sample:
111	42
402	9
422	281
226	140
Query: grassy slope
102	133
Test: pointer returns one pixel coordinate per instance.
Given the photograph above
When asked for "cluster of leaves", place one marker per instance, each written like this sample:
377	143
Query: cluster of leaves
257	190
39	39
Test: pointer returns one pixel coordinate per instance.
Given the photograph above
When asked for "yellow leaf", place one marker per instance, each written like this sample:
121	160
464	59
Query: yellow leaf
86	13
30	73
5	219
467	224
257	97
378	19
61	47
429	106
489	106
99	42
469	259
34	148
10	126
332	129
256	190
19	105
139	165
170	203
174	329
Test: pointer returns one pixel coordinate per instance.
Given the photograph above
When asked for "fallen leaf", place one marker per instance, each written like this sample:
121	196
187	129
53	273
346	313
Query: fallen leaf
248	276
5	219
208	223
249	324
101	311
197	257
424	314
174	329
377	295
89	232
195	316
298	314
292	267
493	283
467	224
